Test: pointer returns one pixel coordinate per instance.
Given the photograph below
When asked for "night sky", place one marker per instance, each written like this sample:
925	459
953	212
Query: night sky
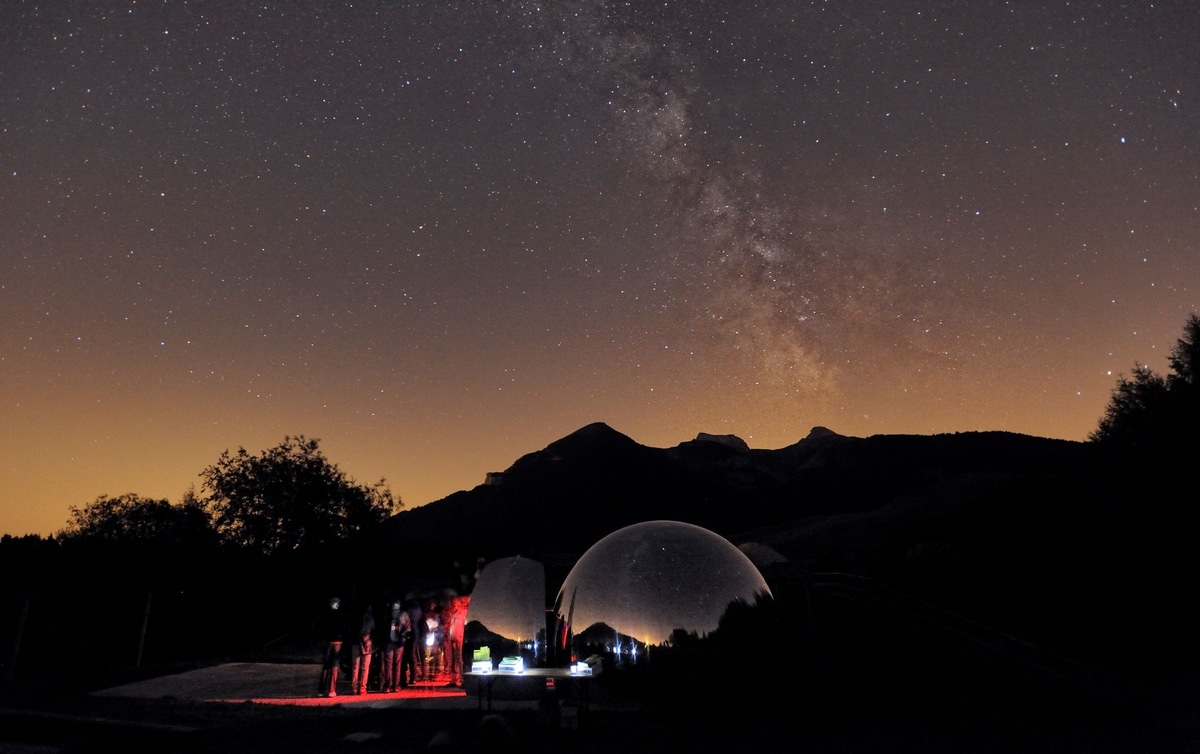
439	235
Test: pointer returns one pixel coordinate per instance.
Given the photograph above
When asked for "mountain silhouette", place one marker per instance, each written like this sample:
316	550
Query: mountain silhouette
565	497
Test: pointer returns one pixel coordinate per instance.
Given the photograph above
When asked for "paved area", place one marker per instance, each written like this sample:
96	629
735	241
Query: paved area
293	684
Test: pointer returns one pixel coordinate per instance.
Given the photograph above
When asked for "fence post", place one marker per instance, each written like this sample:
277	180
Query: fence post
16	649
142	637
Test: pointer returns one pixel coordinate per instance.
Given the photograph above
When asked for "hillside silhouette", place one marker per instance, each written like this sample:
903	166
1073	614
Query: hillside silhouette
596	480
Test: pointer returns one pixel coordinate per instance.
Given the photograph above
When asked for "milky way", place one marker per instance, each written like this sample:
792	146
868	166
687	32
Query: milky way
439	235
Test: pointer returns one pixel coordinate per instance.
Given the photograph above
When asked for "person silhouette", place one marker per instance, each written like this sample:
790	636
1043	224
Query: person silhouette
393	649
330	632
361	649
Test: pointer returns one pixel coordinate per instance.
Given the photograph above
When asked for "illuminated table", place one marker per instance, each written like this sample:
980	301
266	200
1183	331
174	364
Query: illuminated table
536	679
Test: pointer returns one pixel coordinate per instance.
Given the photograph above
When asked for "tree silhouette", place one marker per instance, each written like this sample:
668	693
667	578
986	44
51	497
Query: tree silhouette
1152	413
1136	411
131	518
290	497
1185	356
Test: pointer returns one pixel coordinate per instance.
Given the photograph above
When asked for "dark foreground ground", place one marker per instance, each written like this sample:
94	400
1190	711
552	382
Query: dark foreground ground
144	725
178	726
869	676
809	709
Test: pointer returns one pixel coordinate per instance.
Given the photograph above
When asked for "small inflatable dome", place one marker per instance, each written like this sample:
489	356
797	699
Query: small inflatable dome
510	598
648	579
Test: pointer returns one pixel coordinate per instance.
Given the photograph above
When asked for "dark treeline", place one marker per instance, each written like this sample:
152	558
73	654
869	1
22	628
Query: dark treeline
133	583
77	612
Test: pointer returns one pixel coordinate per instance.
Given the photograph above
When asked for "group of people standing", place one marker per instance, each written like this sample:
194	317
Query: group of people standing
413	641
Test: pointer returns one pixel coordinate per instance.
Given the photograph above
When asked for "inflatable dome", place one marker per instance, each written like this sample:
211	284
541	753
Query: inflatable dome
510	599
649	579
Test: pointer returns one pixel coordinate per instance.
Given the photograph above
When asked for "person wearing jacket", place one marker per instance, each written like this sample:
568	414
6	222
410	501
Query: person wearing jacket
393	650
361	648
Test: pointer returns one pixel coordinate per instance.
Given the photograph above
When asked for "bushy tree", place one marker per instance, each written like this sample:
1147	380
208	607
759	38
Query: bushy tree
1156	413
1185	356
1136	410
290	497
131	518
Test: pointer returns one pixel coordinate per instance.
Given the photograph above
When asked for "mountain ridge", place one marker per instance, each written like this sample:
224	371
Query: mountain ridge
596	479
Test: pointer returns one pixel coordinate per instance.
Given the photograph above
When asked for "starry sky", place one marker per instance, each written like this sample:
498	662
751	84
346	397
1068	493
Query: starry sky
439	235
